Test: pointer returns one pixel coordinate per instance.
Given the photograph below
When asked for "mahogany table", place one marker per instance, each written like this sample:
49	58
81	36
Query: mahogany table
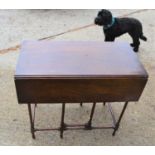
51	72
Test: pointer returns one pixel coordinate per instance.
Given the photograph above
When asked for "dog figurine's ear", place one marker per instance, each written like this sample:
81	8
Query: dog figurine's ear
105	17
108	16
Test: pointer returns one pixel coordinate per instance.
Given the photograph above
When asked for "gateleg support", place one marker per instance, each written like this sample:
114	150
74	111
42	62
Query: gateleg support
62	125
119	119
104	103
31	121
88	125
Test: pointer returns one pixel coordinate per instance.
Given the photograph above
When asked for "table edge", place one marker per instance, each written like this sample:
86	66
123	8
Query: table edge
79	76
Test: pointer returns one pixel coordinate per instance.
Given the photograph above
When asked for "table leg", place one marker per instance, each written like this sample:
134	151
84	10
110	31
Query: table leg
89	123
62	125
35	104
31	121
119	120
104	103
81	104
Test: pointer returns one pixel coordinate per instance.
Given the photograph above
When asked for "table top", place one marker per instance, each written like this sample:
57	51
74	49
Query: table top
78	59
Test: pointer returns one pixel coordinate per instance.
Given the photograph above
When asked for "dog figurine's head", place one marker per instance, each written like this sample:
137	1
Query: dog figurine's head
103	18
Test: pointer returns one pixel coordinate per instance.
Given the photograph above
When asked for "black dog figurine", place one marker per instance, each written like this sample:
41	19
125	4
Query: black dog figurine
114	27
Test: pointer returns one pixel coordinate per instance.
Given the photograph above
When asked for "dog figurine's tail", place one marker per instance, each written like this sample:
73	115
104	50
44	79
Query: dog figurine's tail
143	37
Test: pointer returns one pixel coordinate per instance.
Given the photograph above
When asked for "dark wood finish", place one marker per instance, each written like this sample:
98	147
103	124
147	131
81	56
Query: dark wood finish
79	90
59	72
86	126
56	72
78	59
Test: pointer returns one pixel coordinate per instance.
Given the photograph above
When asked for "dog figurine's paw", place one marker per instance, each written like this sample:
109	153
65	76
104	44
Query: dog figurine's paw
135	49
132	45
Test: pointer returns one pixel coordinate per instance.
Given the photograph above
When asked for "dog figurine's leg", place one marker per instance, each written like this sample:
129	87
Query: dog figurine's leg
132	44
136	44
107	38
136	41
132	36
